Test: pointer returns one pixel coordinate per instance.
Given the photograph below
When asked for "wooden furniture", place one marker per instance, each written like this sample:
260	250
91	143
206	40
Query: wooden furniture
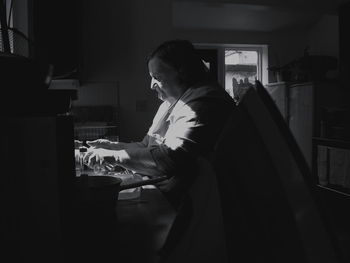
305	107
302	105
144	225
268	198
126	231
279	92
296	103
325	148
332	159
37	174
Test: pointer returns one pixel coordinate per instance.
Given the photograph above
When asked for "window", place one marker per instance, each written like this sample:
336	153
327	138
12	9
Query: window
236	66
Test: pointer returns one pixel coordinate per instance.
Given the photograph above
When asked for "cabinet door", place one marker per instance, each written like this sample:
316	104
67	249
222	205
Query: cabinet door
301	117
37	154
279	94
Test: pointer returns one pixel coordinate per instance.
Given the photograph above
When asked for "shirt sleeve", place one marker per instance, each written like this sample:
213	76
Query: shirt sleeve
129	145
192	132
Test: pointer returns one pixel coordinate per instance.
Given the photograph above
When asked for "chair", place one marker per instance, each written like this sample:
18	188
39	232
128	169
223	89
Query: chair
269	208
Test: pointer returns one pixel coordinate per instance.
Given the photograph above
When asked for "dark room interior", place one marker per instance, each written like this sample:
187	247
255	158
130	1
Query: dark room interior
77	71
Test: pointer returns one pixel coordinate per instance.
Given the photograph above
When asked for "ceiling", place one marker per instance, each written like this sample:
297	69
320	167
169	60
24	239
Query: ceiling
253	15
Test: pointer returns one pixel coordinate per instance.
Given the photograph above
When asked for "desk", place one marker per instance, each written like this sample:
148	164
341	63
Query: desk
144	225
133	232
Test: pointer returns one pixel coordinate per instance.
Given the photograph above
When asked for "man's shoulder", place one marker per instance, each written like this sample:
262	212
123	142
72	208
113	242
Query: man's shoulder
207	92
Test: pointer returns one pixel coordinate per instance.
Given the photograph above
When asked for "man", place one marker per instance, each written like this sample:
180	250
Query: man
187	123
183	133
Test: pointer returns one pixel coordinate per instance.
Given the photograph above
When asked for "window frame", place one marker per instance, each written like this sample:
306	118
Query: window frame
261	49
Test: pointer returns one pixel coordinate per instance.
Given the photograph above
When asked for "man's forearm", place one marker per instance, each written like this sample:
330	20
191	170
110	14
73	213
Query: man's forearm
138	159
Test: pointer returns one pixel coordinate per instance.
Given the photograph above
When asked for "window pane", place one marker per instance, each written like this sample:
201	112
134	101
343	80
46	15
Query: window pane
240	71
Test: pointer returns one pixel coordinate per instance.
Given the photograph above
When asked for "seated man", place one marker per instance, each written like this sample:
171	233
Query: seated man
179	144
186	126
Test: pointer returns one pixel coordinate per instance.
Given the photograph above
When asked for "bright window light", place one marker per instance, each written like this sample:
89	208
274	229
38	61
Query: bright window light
239	65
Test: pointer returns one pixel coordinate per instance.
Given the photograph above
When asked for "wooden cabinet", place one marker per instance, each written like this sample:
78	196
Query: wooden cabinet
332	159
279	93
325	143
296	103
301	117
332	174
303	105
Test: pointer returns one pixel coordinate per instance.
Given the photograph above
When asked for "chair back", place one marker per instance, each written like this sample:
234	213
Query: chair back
267	196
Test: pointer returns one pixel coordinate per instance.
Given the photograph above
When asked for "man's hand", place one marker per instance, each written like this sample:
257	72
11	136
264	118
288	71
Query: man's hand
104	143
78	144
99	156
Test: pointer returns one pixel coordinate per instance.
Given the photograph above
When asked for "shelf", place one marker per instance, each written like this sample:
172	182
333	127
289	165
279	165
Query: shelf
336	189
331	142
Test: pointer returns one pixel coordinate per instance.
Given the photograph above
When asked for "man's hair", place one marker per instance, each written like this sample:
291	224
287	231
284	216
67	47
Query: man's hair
182	56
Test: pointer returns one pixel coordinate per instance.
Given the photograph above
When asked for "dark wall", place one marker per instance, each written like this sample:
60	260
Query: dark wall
344	45
57	34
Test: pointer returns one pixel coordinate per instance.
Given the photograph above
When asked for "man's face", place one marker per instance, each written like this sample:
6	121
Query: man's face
164	80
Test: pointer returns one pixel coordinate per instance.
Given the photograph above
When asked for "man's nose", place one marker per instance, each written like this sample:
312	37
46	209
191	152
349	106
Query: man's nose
154	84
